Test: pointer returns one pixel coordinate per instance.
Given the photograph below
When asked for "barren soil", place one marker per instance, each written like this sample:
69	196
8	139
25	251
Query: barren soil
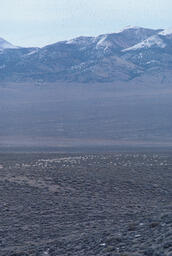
117	204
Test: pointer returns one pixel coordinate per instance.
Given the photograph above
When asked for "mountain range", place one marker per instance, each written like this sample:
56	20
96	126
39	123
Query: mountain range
133	54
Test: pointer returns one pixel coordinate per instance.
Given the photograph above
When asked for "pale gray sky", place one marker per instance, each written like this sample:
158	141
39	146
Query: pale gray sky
41	22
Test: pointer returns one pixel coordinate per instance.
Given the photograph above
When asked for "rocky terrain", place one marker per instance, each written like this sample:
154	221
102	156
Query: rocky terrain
114	204
134	54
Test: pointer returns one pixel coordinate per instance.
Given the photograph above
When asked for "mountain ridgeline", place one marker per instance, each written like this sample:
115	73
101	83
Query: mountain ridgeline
134	54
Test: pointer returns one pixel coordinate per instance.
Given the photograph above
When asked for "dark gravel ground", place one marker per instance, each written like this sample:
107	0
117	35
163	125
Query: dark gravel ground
117	204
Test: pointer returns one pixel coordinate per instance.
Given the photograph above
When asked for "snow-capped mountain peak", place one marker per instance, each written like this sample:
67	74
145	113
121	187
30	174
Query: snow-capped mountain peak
6	45
154	40
128	28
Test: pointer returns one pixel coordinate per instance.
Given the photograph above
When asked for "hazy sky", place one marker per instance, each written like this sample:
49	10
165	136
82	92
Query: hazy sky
41	22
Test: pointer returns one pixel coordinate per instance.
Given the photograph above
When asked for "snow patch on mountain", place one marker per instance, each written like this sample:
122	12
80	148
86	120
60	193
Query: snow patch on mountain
151	62
147	43
32	52
103	43
166	32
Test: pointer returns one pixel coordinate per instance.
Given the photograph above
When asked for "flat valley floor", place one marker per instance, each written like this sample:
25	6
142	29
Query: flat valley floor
117	204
